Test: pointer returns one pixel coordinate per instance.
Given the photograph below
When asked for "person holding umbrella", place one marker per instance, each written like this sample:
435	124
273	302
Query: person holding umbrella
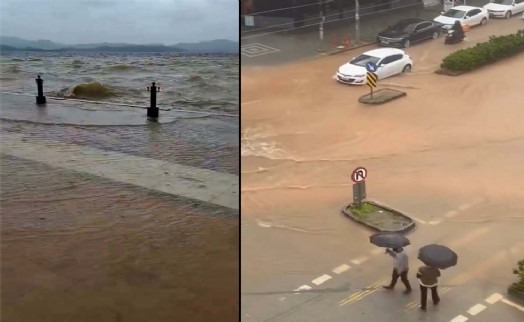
400	269
434	257
394	243
428	278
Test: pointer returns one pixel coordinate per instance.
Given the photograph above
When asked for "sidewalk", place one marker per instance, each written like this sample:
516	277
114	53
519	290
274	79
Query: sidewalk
282	47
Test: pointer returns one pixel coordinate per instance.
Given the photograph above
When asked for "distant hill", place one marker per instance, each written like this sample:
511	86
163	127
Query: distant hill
125	49
10	48
213	46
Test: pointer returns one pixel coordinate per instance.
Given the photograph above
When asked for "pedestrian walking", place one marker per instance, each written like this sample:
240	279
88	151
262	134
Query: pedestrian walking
400	269
428	277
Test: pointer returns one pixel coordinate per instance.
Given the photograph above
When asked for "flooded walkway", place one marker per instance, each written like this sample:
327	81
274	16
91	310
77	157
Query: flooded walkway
119	223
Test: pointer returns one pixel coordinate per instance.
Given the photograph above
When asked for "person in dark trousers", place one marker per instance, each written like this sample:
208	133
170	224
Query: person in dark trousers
428	277
400	269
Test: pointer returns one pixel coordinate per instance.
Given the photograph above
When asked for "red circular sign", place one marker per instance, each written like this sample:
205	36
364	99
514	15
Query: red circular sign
359	174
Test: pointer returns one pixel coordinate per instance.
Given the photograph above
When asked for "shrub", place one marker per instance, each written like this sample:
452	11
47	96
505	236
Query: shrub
519	271
495	49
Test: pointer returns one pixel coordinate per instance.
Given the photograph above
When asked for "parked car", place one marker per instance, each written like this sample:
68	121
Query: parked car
408	31
389	62
504	8
467	15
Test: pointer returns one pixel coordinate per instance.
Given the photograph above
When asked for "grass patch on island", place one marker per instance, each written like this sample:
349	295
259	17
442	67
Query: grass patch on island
364	210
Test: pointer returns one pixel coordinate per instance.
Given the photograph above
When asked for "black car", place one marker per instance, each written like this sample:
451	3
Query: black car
409	31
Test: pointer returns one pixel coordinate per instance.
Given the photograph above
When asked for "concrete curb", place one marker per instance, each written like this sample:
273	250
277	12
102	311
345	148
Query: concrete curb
366	98
406	229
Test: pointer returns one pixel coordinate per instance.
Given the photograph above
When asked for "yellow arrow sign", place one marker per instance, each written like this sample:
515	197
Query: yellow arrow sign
371	79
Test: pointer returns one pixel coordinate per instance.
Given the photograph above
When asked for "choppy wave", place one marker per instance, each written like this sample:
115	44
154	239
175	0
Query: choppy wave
199	82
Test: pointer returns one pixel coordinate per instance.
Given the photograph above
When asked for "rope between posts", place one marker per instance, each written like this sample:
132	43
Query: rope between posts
128	105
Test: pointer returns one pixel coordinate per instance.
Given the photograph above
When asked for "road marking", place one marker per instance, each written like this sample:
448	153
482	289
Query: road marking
257	49
435	222
451	213
341	269
282	299
359	260
459	318
515	305
476	309
302	288
357	296
205	185
494	298
321	279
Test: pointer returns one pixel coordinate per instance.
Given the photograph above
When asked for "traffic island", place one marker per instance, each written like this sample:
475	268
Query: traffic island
381	96
379	217
516	290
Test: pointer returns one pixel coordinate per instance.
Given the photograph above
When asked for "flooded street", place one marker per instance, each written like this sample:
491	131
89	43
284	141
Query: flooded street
118	223
448	155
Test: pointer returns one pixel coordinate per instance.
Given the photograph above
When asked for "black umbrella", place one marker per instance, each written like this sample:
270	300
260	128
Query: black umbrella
389	240
438	256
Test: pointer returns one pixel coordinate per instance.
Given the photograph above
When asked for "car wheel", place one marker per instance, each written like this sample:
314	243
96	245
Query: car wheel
483	22
507	15
435	35
406	68
407	43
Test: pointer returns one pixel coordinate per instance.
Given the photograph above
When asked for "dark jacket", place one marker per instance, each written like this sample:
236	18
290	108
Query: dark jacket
428	276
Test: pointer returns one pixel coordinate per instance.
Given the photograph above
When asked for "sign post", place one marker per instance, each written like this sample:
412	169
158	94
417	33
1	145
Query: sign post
359	187
371	76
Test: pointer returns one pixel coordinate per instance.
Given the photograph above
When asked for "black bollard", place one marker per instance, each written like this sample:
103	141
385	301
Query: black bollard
40	99
152	111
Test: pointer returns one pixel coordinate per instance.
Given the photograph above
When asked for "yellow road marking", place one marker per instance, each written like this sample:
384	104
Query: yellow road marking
361	294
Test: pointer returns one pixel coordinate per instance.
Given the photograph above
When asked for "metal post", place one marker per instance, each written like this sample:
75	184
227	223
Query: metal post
152	111
40	99
371	92
357	20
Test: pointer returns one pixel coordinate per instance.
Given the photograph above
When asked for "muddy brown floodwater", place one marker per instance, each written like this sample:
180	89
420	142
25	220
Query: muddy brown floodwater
303	133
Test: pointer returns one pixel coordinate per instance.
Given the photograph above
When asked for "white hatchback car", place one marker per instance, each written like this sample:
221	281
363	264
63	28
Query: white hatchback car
504	8
467	15
389	62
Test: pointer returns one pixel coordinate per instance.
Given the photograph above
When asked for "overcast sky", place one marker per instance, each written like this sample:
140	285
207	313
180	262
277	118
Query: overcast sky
130	21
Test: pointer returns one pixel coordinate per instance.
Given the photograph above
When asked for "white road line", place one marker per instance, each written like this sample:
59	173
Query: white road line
515	305
476	309
459	318
205	185
359	260
302	288
494	298
321	279
464	206
341	269
377	251
451	213
435	222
